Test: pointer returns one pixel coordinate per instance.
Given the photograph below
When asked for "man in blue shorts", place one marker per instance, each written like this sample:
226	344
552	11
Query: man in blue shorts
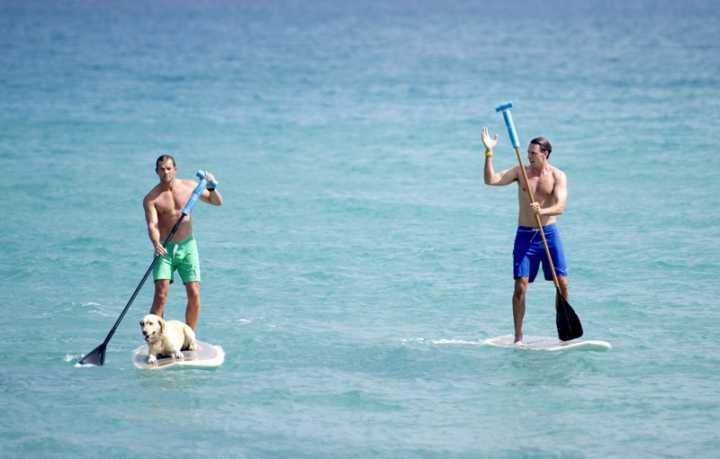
549	187
163	206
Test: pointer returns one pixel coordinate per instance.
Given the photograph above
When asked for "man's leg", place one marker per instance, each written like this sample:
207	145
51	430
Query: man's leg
563	281
518	301
162	286
192	312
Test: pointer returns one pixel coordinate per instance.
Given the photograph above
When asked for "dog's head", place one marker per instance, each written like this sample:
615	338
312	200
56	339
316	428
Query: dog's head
152	327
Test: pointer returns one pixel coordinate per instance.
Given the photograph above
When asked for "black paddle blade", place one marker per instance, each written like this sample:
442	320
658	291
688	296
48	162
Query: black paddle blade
95	357
568	323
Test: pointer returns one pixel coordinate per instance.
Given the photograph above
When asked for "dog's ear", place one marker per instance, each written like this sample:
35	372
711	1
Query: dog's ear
162	326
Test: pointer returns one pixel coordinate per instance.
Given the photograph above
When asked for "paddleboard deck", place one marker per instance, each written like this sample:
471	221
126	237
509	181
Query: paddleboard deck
548	343
206	356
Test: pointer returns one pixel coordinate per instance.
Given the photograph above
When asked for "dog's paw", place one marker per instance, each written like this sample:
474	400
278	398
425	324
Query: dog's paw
178	355
152	359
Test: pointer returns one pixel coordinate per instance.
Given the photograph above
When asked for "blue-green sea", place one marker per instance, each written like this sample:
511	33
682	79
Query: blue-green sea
359	262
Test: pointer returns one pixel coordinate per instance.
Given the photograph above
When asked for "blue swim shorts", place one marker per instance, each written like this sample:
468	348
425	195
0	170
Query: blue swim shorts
529	252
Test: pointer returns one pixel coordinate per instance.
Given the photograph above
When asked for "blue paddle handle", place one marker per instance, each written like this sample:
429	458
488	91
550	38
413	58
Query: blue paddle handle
196	192
507	116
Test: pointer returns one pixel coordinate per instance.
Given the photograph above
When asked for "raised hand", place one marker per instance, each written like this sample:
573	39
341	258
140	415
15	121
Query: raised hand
488	141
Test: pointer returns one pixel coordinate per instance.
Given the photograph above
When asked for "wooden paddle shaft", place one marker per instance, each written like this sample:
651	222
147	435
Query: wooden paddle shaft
537	218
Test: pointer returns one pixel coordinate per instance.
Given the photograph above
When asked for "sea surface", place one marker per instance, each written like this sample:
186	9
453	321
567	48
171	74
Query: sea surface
358	262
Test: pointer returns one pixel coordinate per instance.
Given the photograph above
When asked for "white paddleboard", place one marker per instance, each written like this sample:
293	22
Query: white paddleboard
206	356
548	343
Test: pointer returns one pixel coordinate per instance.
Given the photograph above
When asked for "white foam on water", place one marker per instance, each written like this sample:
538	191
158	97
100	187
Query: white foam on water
85	365
442	341
455	342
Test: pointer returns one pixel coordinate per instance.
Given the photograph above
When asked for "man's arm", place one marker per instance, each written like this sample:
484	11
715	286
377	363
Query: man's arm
151	217
505	177
214	197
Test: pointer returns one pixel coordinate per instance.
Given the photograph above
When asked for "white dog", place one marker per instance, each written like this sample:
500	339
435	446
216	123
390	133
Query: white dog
167	337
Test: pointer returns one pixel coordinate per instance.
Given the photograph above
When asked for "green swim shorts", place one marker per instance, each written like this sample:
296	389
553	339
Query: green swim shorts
182	257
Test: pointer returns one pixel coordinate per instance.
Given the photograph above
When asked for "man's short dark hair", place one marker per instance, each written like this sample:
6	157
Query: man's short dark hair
162	158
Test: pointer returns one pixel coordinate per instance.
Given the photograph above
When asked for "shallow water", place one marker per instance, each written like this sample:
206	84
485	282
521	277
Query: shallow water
359	262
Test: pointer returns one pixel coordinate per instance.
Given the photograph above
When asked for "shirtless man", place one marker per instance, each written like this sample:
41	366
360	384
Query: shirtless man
549	186
163	205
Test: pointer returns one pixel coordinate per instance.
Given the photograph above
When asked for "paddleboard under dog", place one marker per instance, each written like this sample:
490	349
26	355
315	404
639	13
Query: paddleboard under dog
206	356
548	343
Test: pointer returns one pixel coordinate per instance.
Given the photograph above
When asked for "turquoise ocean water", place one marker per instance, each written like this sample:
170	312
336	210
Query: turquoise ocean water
359	262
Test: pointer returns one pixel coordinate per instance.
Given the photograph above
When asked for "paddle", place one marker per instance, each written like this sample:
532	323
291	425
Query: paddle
97	355
568	323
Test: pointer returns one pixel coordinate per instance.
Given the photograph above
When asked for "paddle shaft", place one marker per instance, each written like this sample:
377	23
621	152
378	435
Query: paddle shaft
537	218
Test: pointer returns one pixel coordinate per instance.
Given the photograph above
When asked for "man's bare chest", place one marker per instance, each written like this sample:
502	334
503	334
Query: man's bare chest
542	186
171	202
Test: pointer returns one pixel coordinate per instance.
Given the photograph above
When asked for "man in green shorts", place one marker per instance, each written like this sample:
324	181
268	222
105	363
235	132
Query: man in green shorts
163	207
